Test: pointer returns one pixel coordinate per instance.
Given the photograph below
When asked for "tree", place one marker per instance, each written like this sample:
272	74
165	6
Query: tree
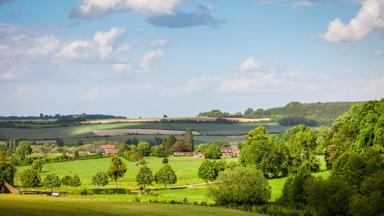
293	190
159	151
328	197
144	148
165	160
165	176
181	146
66	180
59	142
144	177
46	149
23	150
37	165
168	143
213	151
51	181
188	139
209	170
30	178
7	173
371	198
241	186
117	169
75	181
101	178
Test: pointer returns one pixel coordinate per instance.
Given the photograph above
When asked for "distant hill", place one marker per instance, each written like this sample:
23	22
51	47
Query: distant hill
312	114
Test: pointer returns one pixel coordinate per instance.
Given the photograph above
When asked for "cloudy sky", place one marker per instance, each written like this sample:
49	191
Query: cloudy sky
180	57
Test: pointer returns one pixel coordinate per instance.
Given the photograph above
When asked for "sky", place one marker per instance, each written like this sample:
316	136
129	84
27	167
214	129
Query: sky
146	58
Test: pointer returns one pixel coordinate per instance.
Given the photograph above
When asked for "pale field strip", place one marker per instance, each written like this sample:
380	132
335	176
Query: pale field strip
121	132
144	120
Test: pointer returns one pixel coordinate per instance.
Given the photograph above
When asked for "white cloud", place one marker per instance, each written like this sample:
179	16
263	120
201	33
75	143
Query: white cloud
369	19
107	40
195	84
148	60
103	46
159	43
249	64
100	8
85	50
44	45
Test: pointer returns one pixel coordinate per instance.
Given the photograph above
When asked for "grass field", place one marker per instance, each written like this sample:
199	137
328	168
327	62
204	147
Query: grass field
185	168
71	134
15	205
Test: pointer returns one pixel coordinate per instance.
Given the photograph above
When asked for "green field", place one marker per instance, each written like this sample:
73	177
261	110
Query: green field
71	134
15	205
185	168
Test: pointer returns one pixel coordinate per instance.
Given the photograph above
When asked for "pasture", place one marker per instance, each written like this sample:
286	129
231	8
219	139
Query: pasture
15	205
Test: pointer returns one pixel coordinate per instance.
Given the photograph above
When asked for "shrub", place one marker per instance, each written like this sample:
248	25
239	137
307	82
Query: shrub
242	186
328	197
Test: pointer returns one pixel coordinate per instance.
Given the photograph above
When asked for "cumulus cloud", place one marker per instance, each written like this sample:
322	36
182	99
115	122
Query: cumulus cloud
91	9
103	45
107	40
249	64
369	19
200	16
44	45
149	59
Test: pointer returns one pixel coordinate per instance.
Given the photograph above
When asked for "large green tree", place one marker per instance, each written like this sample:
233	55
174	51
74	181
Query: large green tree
210	169
51	181
30	178
241	186
144	177
117	169
165	176
7	173
23	149
359	129
101	178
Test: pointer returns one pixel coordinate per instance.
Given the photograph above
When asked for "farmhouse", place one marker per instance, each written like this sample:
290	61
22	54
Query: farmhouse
232	151
108	149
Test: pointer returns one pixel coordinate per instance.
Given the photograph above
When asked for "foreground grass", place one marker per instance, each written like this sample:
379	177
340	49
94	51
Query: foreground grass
20	205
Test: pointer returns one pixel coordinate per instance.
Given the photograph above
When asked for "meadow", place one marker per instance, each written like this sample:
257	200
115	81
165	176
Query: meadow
185	168
15	205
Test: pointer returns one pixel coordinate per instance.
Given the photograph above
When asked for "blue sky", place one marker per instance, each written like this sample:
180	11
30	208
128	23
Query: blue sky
180	57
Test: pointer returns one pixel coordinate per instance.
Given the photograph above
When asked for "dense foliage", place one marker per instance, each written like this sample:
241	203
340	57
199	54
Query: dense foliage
241	186
117	169
357	130
165	176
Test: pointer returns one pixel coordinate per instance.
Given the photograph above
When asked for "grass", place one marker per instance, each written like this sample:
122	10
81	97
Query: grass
14	205
185	168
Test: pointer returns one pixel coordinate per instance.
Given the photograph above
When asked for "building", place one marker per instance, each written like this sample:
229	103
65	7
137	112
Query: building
232	151
108	149
183	154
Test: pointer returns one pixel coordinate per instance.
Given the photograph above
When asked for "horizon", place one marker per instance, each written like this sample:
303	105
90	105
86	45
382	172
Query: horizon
183	57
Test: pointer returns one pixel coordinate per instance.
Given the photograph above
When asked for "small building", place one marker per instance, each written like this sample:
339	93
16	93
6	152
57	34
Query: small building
183	154
232	151
108	149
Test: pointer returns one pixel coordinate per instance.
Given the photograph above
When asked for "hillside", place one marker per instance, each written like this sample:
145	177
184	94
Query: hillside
318	113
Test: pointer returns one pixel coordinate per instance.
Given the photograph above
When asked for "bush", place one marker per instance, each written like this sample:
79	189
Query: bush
293	190
328	197
242	186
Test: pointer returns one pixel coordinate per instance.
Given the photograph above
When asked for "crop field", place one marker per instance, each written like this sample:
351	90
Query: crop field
15	205
207	132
